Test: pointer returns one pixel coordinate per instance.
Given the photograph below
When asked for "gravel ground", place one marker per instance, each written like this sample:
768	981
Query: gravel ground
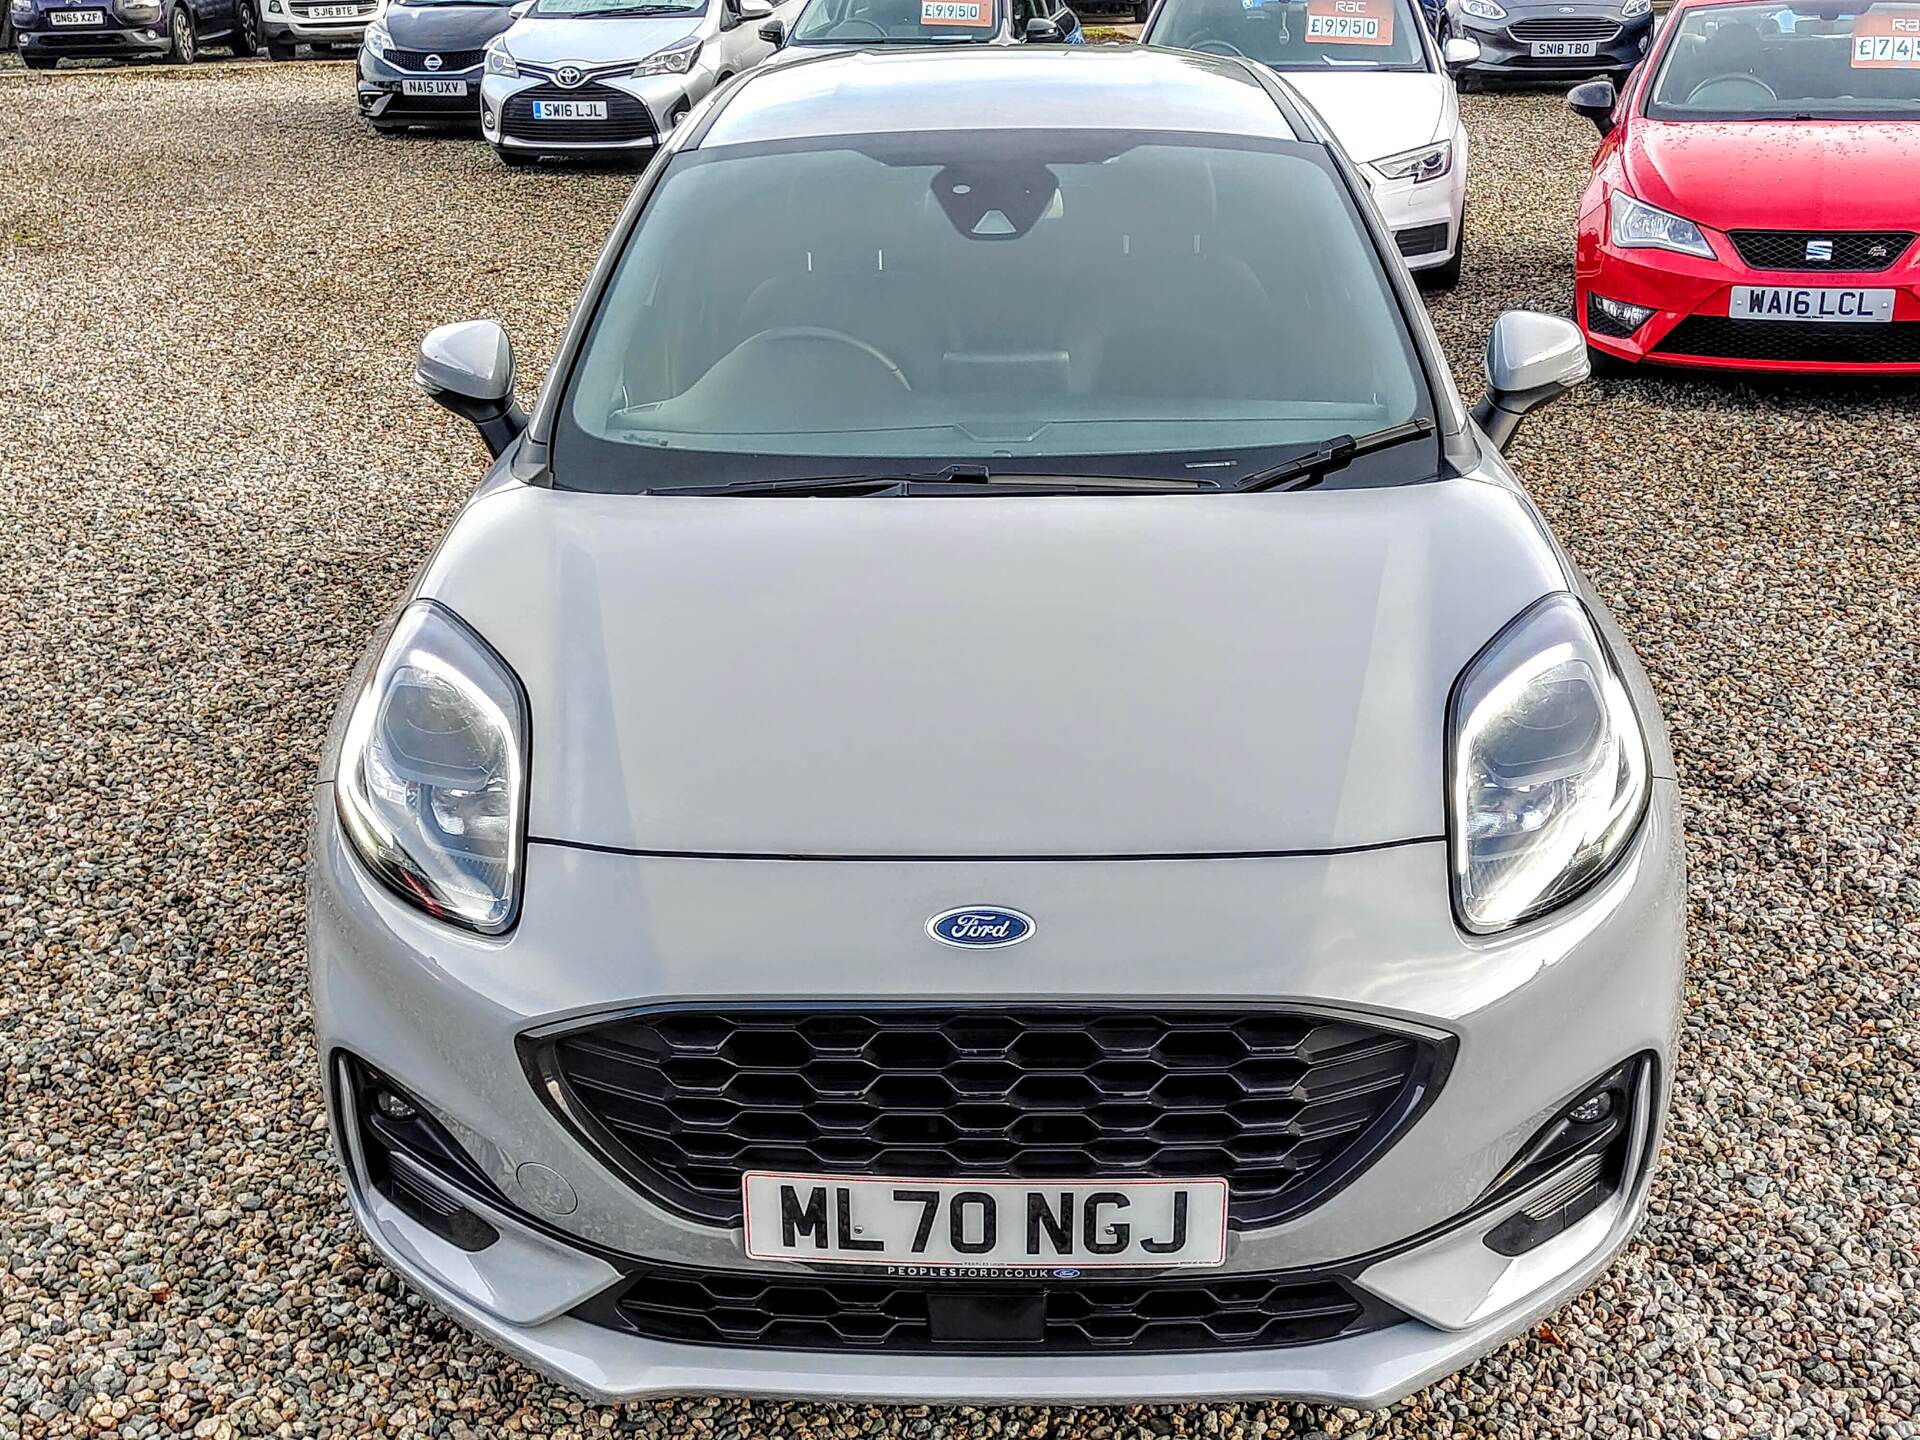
216	476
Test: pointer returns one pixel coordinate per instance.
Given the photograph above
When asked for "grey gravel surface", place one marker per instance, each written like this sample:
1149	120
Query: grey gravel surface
215	476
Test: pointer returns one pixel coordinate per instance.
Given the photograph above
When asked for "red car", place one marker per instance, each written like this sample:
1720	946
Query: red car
1756	194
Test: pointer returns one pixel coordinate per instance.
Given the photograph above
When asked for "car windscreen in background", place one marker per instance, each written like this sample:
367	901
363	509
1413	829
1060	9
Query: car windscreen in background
1297	34
906	22
984	297
1853	59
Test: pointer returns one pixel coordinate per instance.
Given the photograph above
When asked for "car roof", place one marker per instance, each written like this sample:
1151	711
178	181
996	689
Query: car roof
1047	87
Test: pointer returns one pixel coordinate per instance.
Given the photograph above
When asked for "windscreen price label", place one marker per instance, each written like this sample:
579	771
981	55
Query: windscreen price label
977	13
1887	40
1350	22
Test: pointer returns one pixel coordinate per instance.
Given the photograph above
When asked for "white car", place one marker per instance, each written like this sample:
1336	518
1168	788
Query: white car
1381	81
328	24
586	77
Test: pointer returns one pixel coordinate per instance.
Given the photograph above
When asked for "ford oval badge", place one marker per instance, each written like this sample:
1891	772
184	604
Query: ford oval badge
980	927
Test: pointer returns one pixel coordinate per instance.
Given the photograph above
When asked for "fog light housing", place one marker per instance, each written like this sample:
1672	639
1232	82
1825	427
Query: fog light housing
1607	316
1573	1164
406	1155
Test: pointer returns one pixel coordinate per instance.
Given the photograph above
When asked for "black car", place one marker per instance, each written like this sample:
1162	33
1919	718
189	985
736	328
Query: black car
49	31
1550	39
420	62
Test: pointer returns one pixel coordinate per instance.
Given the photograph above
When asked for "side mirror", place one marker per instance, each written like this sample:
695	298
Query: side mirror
774	32
755	9
1595	100
1042	31
522	8
1458	52
468	369
1531	359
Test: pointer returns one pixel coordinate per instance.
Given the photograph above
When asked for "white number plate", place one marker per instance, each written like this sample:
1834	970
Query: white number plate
569	109
77	17
1563	49
988	1227
332	12
433	87
1815	303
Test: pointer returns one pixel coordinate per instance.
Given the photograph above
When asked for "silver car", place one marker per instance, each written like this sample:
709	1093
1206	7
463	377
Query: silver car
613	77
999	794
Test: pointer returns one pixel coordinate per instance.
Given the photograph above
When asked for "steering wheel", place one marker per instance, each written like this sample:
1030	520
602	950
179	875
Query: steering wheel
840	30
1737	81
1218	47
781	333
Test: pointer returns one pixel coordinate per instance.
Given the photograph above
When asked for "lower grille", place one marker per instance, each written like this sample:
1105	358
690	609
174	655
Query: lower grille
1845	250
450	60
807	1311
1596	28
627	118
84	40
1422	239
1286	1106
1719	337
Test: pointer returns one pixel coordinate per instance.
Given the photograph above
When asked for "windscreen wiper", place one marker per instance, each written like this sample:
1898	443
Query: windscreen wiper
1330	455
960	477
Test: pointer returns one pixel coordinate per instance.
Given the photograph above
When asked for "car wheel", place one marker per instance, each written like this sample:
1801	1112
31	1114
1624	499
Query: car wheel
39	62
280	49
246	28
183	46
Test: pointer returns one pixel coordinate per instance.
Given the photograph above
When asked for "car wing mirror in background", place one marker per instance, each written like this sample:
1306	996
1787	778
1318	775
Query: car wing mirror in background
755	9
1043	31
520	9
1531	359
1595	100
468	369
1458	52
774	32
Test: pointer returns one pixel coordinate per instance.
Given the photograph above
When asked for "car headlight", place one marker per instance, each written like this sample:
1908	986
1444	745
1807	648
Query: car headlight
432	784
1483	9
499	62
676	60
377	40
1548	771
1634	9
1429	162
140	9
1636	225
20	9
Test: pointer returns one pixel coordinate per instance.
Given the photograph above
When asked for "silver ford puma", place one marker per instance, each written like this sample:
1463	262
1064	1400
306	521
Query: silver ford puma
999	795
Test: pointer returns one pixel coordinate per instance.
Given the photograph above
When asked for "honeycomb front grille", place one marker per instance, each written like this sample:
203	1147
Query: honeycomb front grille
1834	343
1860	250
1284	1105
807	1311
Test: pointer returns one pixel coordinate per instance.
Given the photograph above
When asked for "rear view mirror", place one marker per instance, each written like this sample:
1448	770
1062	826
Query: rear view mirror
1531	359
774	32
1459	52
1042	31
468	369
1595	100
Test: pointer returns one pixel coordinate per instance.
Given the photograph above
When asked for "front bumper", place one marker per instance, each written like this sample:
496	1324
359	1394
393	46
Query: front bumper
640	111
288	22
1536	1014
381	94
125	42
1507	55
1691	326
1425	216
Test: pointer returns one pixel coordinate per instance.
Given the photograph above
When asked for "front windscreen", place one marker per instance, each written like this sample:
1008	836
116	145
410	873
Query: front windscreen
1297	34
896	22
985	296
1845	61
